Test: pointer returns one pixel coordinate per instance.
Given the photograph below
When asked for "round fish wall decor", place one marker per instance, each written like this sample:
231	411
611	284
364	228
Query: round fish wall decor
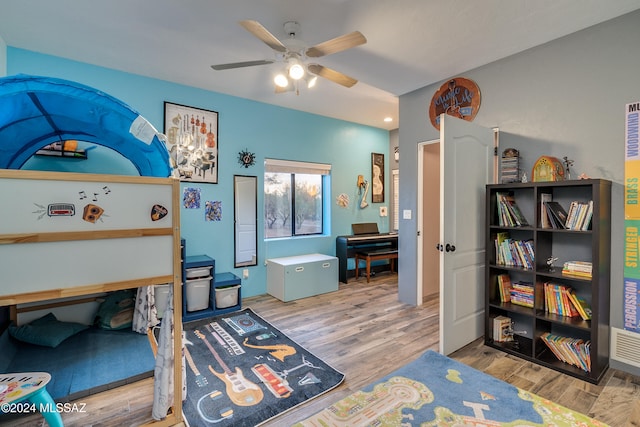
458	97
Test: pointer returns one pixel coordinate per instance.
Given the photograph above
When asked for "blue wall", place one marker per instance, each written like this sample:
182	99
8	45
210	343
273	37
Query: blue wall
266	130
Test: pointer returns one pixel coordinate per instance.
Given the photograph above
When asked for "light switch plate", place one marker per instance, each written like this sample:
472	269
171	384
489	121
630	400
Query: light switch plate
406	214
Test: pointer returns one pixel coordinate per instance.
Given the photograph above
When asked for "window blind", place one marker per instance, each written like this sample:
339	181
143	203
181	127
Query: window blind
290	166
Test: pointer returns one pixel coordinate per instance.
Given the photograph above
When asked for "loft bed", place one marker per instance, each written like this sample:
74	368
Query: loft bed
46	258
69	237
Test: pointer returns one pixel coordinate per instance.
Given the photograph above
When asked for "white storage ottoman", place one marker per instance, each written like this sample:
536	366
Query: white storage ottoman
301	276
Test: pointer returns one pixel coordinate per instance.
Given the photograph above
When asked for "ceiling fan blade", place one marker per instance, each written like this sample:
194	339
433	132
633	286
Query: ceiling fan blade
241	64
256	28
336	45
334	76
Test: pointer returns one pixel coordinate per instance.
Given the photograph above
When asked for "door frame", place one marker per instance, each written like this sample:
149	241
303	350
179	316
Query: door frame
420	218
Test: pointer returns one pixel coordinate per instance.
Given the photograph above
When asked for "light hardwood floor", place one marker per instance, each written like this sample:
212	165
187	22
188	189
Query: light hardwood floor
363	331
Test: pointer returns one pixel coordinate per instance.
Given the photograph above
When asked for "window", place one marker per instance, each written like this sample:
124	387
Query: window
293	198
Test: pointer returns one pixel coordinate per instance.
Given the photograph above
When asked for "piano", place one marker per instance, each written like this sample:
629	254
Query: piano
365	237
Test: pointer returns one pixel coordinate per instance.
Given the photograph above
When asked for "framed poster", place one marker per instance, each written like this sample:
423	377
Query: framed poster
377	177
192	141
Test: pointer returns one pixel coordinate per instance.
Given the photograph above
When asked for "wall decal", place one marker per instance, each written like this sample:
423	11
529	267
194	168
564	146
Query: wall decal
213	211
191	198
246	158
158	212
459	97
342	200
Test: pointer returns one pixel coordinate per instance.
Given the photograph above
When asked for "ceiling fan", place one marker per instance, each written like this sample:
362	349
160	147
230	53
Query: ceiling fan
294	53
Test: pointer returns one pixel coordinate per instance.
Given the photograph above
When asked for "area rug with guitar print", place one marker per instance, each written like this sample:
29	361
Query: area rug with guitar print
242	371
436	391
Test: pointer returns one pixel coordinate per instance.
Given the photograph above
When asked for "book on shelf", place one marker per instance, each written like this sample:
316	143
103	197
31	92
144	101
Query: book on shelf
556	213
514	253
586	224
573	351
582	269
509	214
545	222
504	287
557	300
581	305
579	216
563	301
522	294
502	330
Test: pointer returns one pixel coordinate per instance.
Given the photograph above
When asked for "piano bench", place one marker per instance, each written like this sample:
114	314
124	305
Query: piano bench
374	255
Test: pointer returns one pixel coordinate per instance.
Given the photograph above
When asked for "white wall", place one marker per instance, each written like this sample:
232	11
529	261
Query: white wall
564	98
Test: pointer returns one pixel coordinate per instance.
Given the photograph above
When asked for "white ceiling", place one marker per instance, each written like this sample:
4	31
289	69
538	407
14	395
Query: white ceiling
410	43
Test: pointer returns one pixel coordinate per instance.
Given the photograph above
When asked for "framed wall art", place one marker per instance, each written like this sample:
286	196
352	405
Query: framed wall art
377	178
192	141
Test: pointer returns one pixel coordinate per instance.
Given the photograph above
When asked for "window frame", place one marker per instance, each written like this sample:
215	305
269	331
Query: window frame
293	168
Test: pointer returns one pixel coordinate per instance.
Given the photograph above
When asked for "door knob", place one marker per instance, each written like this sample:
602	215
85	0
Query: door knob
439	247
450	248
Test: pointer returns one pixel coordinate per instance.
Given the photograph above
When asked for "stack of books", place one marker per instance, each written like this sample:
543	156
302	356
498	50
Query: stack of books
510	171
522	294
573	351
578	268
514	253
509	214
563	301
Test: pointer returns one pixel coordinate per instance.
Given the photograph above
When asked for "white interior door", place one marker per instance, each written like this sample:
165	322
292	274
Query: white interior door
466	160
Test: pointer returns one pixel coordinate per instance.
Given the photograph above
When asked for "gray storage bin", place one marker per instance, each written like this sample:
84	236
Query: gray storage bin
198	272
198	293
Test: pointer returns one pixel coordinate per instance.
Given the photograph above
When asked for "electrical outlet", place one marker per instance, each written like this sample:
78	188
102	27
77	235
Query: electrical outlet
245	273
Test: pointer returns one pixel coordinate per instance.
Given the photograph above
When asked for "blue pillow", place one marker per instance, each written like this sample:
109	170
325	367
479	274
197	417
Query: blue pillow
116	311
46	331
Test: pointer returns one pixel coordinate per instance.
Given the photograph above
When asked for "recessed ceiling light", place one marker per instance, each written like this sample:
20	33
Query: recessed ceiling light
388	119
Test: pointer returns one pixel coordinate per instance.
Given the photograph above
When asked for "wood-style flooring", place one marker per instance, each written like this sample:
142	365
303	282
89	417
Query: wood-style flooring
363	331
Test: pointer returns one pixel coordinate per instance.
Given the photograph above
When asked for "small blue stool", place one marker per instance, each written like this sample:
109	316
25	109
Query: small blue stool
31	386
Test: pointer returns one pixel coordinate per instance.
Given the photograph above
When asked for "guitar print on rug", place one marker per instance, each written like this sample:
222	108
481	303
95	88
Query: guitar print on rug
241	391
201	380
244	371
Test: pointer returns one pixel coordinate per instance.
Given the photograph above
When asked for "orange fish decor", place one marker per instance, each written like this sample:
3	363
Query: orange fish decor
547	168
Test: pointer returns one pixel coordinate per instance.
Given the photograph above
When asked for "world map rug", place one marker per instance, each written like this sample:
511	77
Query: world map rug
242	371
438	391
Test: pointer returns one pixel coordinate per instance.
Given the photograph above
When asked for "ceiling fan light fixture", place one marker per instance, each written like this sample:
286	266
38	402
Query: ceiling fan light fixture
312	82
296	71
281	80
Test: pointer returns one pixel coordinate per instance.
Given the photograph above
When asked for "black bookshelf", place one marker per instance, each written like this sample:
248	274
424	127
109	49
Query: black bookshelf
591	244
